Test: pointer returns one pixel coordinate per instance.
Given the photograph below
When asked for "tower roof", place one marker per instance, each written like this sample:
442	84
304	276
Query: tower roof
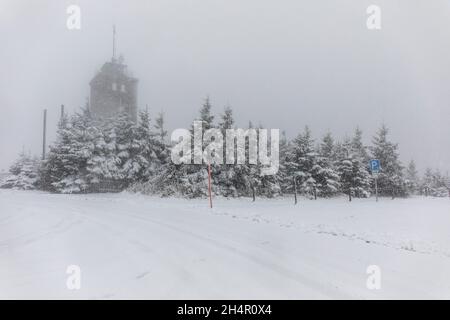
114	70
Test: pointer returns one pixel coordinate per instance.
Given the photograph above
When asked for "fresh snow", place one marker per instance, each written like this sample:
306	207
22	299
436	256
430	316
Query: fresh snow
134	246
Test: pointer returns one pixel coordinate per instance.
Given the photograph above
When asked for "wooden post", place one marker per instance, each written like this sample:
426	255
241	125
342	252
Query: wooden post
295	190
209	185
44	134
253	190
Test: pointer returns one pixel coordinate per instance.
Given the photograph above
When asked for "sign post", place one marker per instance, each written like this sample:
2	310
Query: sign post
209	185
375	169
376	187
295	189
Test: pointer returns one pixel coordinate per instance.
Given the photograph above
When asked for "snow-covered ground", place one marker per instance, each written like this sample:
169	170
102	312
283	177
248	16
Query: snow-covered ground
134	246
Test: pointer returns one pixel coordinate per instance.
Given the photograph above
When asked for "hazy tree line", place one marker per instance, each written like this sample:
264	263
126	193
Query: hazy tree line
116	155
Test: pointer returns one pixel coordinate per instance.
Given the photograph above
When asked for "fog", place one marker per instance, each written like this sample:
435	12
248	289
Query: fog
282	64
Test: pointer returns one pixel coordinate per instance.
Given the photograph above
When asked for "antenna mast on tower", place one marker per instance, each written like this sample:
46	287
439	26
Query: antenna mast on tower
114	43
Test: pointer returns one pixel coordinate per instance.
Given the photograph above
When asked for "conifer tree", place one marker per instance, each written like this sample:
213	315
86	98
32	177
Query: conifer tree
286	182
97	165
324	170
345	169
205	114
147	156
225	175
435	184
359	147
360	160
265	185
128	148
23	173
390	180
65	169
354	177
412	178
161	143
300	161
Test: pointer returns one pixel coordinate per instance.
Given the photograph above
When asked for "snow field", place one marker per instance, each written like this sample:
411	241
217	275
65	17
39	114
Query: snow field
133	246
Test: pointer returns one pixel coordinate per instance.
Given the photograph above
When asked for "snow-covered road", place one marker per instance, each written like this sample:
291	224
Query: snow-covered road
133	246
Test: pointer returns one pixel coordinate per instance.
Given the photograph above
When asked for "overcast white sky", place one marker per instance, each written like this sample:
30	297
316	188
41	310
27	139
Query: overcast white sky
281	63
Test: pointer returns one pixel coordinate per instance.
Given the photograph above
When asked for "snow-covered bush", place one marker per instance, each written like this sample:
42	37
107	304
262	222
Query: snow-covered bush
23	174
435	184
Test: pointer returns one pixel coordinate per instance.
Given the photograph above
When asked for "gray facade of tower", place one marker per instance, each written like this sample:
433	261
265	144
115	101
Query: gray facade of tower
113	90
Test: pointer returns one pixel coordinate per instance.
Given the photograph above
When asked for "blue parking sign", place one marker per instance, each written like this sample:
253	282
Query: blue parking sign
375	165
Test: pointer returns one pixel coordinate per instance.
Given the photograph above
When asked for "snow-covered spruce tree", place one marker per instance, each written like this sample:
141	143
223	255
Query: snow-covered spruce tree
345	169
65	169
300	160
161	144
390	180
265	185
103	166
327	147
248	181
225	175
360	159
354	177
164	181
285	181
324	170
440	186
359	147
362	178
426	182
84	133
195	183
128	148
447	181
138	148
434	184
23	173
148	151
153	154
53	168
412	178
205	115
184	180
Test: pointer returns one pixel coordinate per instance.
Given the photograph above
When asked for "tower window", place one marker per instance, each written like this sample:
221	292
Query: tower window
122	88
114	86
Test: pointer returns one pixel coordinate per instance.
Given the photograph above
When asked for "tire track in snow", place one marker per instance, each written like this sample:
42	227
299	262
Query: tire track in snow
280	270
25	239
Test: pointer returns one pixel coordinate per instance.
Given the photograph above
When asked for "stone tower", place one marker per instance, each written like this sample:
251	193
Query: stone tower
113	90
